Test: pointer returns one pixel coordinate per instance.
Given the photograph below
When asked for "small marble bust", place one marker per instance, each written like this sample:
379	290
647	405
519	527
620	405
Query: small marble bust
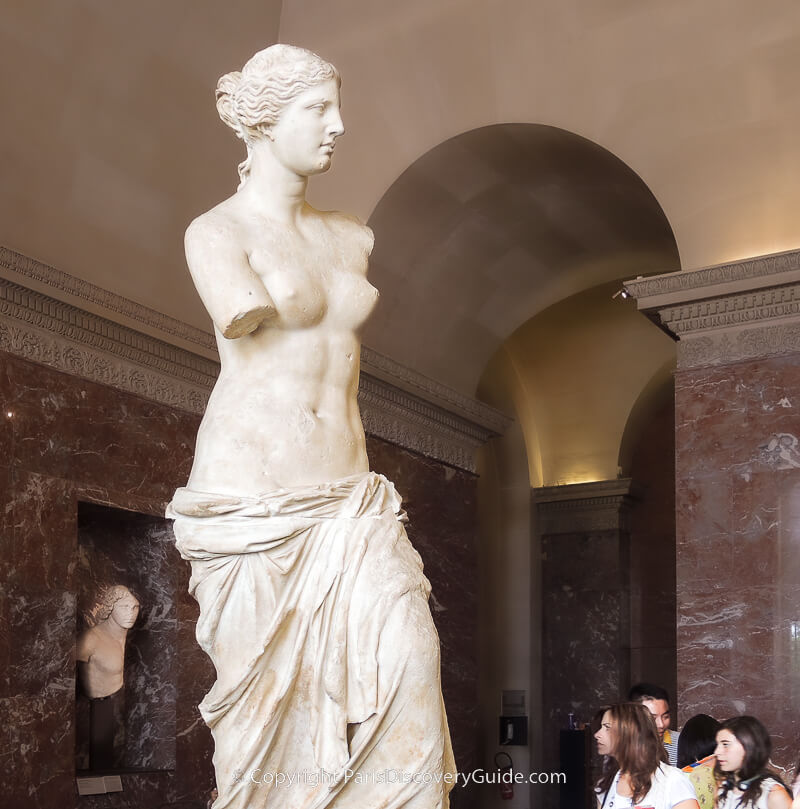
101	647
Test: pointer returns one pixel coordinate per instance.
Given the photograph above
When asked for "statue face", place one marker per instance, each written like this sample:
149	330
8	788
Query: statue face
125	611
305	133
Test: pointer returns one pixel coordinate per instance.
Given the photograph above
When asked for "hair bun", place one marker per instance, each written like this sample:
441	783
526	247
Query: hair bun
226	100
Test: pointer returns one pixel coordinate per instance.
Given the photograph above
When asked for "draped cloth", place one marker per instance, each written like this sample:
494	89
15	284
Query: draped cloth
314	611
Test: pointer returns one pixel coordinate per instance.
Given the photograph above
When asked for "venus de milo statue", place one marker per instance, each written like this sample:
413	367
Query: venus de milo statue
313	603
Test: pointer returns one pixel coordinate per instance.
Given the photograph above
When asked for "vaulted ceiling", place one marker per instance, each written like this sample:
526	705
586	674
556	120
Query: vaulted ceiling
495	225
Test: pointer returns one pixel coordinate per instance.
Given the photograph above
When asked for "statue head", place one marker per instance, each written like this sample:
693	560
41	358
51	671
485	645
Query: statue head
250	101
115	600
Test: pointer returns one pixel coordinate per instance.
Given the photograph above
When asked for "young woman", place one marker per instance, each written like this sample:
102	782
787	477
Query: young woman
643	778
743	748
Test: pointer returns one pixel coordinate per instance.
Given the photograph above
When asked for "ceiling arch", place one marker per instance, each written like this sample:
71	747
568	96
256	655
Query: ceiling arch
495	225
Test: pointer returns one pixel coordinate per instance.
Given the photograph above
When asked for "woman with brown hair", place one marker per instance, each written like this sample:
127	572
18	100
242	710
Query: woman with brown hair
743	750
642	779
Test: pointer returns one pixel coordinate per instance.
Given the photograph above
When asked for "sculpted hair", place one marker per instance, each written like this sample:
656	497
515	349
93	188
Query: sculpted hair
697	740
253	98
107	597
637	747
755	740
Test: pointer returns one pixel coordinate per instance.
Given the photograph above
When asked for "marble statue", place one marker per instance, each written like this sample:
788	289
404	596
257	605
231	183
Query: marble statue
101	647
313	603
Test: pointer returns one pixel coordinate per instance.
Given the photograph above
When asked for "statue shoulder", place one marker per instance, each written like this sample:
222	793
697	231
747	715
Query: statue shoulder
85	646
352	229
215	229
233	293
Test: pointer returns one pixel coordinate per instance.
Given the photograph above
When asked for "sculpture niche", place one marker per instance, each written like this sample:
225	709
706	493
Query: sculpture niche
100	653
313	603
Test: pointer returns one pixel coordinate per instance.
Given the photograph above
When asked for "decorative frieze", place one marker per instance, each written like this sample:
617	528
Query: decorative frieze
41	329
397	404
583	507
25	267
727	313
758	271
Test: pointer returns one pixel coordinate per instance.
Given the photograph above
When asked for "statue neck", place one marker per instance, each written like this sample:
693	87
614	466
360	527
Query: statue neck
111	628
271	188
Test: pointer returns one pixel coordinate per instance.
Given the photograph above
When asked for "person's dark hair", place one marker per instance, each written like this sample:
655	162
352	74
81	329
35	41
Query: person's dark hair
643	691
637	747
754	738
697	740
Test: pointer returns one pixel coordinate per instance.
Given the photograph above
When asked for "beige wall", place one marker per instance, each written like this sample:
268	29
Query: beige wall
576	372
508	629
697	96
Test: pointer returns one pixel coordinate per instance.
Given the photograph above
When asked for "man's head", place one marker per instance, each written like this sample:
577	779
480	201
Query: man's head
656	700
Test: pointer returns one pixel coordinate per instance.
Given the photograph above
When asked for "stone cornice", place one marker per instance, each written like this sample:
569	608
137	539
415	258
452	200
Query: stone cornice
729	312
380	367
41	329
583	507
397	404
393	414
719	279
25	269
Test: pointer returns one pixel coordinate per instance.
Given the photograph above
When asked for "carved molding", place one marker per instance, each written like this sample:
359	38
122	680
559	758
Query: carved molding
738	346
741	274
583	507
733	311
69	284
727	313
381	367
396	416
42	329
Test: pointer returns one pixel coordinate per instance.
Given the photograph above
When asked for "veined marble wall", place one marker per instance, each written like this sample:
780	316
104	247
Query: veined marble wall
737	413
653	554
135	550
69	442
104	412
738	495
441	505
586	624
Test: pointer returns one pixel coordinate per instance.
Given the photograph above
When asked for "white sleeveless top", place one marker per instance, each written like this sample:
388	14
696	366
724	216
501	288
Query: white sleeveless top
734	797
670	786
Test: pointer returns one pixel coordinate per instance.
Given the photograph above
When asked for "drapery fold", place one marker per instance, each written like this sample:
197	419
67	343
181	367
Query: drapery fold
313	609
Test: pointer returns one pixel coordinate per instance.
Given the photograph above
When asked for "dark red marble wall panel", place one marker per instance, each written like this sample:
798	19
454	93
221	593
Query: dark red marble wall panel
653	600
585	627
441	506
71	441
738	529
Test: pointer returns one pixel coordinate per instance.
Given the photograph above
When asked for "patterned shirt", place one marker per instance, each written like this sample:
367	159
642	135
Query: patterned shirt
671	745
701	774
